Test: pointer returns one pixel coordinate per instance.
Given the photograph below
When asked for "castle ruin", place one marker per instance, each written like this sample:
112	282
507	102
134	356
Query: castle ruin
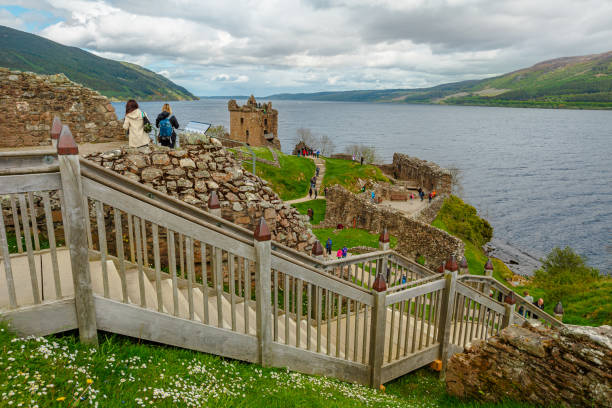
254	123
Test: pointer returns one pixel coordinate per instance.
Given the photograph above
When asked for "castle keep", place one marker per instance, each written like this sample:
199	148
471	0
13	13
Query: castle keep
254	123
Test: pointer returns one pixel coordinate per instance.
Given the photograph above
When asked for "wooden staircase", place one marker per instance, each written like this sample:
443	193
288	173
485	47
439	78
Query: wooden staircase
139	263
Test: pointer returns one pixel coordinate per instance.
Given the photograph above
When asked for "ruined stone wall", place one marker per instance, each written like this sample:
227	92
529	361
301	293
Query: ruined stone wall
251	123
414	237
192	172
423	173
29	102
571	367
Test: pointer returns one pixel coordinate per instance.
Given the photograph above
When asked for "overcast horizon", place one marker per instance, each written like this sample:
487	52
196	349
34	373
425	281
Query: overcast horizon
293	46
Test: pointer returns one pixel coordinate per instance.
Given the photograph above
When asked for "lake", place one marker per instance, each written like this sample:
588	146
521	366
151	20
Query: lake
543	178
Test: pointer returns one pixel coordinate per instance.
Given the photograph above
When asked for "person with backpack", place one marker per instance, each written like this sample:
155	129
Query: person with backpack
166	122
136	123
328	246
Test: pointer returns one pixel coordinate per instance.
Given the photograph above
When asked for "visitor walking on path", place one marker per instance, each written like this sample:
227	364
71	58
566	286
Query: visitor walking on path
344	251
166	123
328	246
339	254
134	123
310	192
316	193
373	197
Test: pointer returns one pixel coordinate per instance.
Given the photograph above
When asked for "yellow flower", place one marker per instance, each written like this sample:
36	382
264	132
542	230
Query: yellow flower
60	398
382	388
89	381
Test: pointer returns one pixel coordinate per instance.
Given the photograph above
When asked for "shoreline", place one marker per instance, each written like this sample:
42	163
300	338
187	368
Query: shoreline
517	260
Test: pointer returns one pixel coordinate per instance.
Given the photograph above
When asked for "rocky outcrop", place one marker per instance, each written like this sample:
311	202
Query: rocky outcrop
571	367
414	238
193	171
29	102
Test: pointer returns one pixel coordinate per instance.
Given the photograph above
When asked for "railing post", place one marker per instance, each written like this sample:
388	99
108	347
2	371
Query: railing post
377	330
446	316
263	271
383	245
214	207
508	319
488	270
56	129
70	172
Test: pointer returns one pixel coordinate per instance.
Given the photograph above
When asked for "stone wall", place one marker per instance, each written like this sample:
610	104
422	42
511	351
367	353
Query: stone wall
254	123
192	172
29	102
414	237
571	367
423	173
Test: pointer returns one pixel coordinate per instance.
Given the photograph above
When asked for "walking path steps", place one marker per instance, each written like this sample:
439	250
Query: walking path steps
320	163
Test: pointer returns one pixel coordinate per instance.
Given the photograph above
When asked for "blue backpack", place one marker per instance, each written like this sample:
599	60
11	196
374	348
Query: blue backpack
165	128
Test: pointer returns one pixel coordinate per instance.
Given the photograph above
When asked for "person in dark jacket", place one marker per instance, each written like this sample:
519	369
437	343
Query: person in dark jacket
167	114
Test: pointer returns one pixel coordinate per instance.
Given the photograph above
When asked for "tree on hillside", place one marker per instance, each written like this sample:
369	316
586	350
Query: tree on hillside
305	135
368	153
326	145
564	272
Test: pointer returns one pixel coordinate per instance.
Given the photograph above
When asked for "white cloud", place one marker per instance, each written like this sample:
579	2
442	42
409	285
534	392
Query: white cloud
312	45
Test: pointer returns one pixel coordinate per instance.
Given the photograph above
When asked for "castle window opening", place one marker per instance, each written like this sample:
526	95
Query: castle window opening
265	122
242	122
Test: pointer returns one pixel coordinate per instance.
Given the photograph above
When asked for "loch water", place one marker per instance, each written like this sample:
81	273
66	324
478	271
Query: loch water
542	177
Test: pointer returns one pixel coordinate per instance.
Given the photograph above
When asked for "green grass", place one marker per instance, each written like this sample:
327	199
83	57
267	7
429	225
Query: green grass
42	240
291	180
347	172
123	372
261	152
349	237
318	206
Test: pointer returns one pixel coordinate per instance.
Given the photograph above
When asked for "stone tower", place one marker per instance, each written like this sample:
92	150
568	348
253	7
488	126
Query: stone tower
254	123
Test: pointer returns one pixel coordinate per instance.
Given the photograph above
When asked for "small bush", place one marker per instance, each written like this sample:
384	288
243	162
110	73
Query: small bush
563	273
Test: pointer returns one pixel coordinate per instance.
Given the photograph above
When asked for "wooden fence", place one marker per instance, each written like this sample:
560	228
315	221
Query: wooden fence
96	251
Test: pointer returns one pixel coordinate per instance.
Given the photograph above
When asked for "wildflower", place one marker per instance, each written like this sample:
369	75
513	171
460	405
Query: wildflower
60	398
89	381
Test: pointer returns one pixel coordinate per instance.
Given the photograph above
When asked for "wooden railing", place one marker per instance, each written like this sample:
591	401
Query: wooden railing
139	263
523	310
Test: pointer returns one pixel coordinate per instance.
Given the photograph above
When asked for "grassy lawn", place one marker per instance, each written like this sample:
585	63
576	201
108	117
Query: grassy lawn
57	371
261	152
349	237
291	180
346	173
318	206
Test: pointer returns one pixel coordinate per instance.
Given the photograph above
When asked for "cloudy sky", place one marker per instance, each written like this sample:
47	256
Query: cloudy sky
264	47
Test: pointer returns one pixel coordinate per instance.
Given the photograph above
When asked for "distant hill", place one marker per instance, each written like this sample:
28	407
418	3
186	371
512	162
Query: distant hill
571	82
116	80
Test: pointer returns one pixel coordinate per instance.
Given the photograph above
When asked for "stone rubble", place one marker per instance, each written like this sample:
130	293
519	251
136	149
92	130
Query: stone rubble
193	171
571	367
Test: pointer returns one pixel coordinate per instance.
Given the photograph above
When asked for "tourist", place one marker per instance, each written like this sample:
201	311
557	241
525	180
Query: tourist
353	157
362	160
325	191
403	279
316	193
310	192
528	298
134	123
373	196
434	193
166	123
317	171
339	254
299	152
540	305
328	246
318	153
344	251
430	197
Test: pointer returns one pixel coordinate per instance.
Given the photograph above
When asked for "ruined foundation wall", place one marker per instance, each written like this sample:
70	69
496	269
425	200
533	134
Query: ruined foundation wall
414	237
29	102
423	173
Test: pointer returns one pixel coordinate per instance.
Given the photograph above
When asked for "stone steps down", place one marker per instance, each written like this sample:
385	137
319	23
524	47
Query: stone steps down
44	273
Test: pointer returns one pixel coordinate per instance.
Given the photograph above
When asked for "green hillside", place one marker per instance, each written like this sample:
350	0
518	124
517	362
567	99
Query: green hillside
116	80
583	82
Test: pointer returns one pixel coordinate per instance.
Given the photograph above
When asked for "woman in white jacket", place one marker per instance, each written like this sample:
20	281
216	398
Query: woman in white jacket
134	124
